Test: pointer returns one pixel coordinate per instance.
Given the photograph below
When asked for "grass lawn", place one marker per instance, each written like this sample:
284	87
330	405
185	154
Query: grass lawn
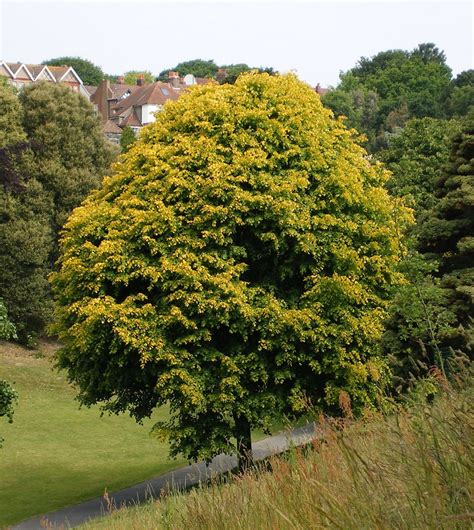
56	454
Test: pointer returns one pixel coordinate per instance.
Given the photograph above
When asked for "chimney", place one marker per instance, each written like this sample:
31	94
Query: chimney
173	79
101	97
221	74
120	80
141	79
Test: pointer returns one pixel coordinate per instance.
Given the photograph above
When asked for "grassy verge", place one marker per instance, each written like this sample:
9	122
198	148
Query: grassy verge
409	471
56	454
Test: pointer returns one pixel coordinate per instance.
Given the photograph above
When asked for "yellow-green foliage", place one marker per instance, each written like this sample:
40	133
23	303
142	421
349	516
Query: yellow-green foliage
237	264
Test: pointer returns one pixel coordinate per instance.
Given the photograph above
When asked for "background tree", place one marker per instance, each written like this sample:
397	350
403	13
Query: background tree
406	85
131	77
197	67
236	266
234	70
50	181
461	94
431	314
419	78
359	107
416	156
127	139
74	154
201	68
447	235
90	73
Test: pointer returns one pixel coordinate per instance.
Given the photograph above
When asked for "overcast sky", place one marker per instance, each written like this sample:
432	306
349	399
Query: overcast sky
315	39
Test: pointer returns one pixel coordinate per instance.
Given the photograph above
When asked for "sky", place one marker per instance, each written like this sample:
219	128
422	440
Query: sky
315	39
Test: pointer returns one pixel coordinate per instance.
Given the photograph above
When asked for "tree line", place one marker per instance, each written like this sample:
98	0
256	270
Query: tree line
91	74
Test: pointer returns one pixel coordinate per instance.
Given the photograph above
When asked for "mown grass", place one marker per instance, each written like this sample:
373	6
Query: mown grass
56	454
411	470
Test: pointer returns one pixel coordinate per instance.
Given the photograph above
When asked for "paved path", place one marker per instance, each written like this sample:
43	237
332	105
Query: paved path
179	479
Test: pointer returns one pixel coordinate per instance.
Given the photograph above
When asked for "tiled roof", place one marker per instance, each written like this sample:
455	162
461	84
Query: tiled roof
14	67
132	120
110	127
202	80
91	89
117	90
58	71
155	94
35	69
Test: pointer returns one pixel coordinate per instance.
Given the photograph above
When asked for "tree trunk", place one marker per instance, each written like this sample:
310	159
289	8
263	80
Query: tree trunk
244	443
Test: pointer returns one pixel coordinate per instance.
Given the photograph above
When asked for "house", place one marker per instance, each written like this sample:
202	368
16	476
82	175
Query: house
122	105
21	74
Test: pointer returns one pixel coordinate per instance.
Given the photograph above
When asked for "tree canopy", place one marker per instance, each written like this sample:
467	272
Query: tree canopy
57	156
430	316
416	156
90	73
447	234
461	95
237	266
418	78
381	93
197	67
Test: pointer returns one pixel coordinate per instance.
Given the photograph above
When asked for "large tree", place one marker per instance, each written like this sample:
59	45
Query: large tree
418	79
431	314
90	73
236	266
447	235
61	156
401	85
416	155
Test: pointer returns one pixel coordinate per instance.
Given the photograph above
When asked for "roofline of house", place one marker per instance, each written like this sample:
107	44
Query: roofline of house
70	69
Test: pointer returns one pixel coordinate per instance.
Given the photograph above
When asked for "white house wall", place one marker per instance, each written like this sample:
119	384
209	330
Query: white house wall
148	113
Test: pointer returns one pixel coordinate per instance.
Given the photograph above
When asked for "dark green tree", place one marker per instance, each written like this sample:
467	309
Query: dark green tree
63	157
197	67
234	70
419	79
416	155
447	235
74	154
236	266
359	107
461	95
90	73
421	317
127	139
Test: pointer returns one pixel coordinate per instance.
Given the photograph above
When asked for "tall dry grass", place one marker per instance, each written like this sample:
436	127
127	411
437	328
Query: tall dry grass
411	470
